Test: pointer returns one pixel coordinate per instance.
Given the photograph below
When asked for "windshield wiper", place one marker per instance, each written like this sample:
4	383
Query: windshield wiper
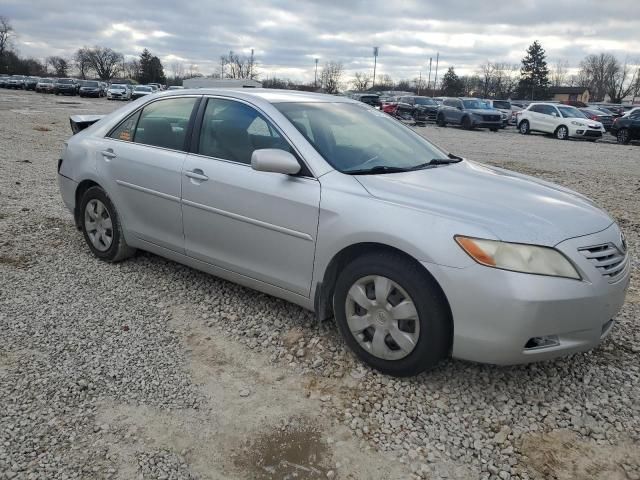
438	161
378	169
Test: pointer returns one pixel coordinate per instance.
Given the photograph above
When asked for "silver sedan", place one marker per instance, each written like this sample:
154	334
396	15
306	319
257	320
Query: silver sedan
323	201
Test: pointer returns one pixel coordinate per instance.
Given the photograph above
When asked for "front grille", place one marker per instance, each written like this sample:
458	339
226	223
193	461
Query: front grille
607	259
491	118
593	133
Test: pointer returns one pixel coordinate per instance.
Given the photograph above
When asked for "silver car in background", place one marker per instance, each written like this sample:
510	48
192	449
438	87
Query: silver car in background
337	207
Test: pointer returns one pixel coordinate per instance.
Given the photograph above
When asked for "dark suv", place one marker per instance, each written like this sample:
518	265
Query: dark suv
31	82
65	86
368	98
420	108
627	127
90	88
469	113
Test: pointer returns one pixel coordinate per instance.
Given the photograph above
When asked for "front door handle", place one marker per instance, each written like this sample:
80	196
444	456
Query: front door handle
108	153
196	174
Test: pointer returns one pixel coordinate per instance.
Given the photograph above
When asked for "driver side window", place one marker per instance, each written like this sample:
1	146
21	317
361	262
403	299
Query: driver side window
233	130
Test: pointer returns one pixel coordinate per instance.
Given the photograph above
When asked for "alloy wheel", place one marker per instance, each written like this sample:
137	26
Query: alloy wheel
382	317
98	225
623	136
561	134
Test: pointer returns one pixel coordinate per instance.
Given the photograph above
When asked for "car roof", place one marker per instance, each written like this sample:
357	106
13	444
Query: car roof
266	95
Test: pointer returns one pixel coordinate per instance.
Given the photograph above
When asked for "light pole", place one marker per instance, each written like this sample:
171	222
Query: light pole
375	62
435	80
315	82
429	81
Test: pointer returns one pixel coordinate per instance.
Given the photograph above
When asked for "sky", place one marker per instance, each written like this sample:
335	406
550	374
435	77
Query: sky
287	35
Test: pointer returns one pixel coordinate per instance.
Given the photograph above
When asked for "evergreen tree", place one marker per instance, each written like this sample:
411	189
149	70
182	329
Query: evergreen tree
452	86
534	74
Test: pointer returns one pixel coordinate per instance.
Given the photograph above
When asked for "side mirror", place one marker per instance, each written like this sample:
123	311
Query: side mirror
274	160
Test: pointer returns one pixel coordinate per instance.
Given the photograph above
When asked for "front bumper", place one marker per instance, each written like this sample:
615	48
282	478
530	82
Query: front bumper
496	313
585	132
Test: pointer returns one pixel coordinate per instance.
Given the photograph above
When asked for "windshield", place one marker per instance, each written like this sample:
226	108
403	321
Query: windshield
502	104
118	87
475	104
91	84
46	80
65	81
354	137
570	112
425	101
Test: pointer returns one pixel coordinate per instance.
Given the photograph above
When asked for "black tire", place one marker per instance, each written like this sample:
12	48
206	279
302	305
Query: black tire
440	121
466	123
119	250
623	137
434	338
493	129
524	127
562	133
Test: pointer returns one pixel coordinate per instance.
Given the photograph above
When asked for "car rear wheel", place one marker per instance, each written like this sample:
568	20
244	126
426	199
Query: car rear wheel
562	133
623	136
466	123
101	226
524	127
392	314
493	129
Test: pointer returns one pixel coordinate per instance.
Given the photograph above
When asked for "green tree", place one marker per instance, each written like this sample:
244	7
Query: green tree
151	69
534	74
451	85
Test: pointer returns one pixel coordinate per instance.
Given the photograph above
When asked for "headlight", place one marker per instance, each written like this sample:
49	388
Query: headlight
578	124
518	257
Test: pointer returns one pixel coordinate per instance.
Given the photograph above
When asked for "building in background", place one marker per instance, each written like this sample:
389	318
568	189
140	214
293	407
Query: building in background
203	82
573	94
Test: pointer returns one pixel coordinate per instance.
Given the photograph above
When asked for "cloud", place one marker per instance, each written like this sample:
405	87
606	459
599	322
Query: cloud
287	35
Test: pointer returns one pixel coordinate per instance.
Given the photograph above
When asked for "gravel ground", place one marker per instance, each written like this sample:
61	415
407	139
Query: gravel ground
148	369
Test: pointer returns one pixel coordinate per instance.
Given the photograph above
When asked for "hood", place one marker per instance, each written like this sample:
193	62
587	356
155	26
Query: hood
483	111
514	207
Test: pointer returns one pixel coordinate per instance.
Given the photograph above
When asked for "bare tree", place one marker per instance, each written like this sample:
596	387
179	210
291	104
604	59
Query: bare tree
236	66
559	73
131	68
384	82
331	76
622	82
361	81
6	35
597	70
177	69
192	71
105	61
419	85
486	76
60	66
82	62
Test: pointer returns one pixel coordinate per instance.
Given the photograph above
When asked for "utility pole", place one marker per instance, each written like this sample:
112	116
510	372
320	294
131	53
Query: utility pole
221	67
375	61
419	82
315	82
435	80
429	81
251	66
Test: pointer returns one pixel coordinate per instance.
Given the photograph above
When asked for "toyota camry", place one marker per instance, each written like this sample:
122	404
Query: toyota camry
326	202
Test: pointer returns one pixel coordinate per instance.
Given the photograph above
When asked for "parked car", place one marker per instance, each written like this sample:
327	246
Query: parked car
158	87
4	79
368	98
175	87
90	88
469	113
604	110
30	83
65	86
16	82
460	258
598	116
618	110
563	121
504	107
45	85
118	91
141	91
632	111
515	111
627	128
421	109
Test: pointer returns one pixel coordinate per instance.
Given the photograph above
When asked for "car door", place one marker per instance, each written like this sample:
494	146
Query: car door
142	160
634	125
258	224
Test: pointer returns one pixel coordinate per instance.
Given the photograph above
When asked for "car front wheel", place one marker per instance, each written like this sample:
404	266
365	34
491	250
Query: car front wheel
623	136
101	226
391	314
524	127
440	121
562	133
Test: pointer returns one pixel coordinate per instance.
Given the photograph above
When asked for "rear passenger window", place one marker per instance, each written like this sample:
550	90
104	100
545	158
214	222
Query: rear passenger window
233	130
126	129
164	123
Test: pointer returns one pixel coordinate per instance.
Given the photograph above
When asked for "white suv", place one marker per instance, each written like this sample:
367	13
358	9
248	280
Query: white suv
563	121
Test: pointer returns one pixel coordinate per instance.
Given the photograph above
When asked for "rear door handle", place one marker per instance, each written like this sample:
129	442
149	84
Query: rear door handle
196	174
108	153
